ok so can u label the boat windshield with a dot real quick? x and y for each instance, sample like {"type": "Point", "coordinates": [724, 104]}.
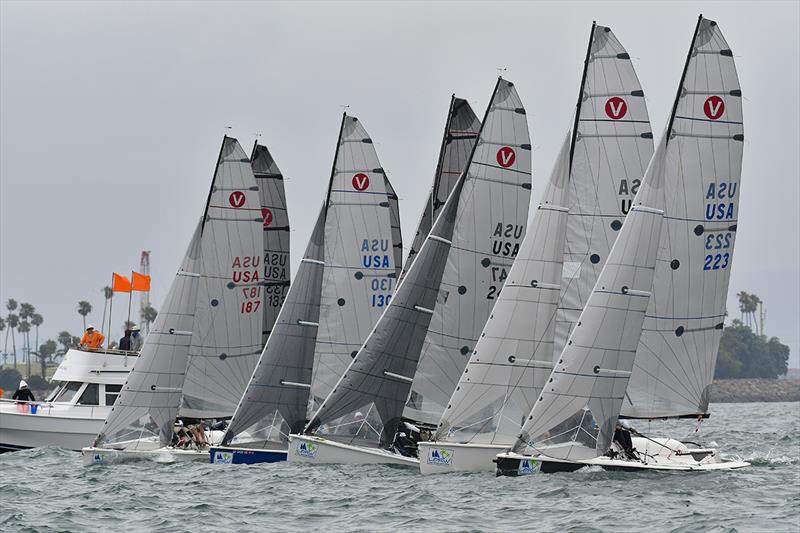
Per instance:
{"type": "Point", "coordinates": [54, 393]}
{"type": "Point", "coordinates": [68, 392]}
{"type": "Point", "coordinates": [90, 396]}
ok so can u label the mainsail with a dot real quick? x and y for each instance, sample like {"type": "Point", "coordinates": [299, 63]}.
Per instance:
{"type": "Point", "coordinates": [613, 143]}
{"type": "Point", "coordinates": [576, 412]}
{"type": "Point", "coordinates": [276, 234]}
{"type": "Point", "coordinates": [360, 269]}
{"type": "Point", "coordinates": [704, 142]}
{"type": "Point", "coordinates": [460, 134]}
{"type": "Point", "coordinates": [226, 336]}
{"type": "Point", "coordinates": [145, 410]}
{"type": "Point", "coordinates": [515, 353]}
{"type": "Point", "coordinates": [490, 224]}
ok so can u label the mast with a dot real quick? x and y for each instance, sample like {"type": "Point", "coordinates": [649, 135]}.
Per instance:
{"type": "Point", "coordinates": [213, 183]}
{"type": "Point", "coordinates": [580, 97]}
{"type": "Point", "coordinates": [683, 78]}
{"type": "Point", "coordinates": [333, 166]}
{"type": "Point", "coordinates": [437, 174]}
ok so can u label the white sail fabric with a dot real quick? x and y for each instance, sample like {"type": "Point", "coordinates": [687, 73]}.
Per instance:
{"type": "Point", "coordinates": [226, 337]}
{"type": "Point", "coordinates": [460, 134]}
{"type": "Point", "coordinates": [144, 412]}
{"type": "Point", "coordinates": [678, 348]}
{"type": "Point", "coordinates": [575, 415]}
{"type": "Point", "coordinates": [376, 384]}
{"type": "Point", "coordinates": [490, 224]}
{"type": "Point", "coordinates": [360, 270]}
{"type": "Point", "coordinates": [613, 145]}
{"type": "Point", "coordinates": [276, 399]}
{"type": "Point", "coordinates": [276, 234]}
{"type": "Point", "coordinates": [514, 355]}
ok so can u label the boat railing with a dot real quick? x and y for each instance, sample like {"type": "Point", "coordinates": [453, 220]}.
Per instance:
{"type": "Point", "coordinates": [44, 407]}
{"type": "Point", "coordinates": [110, 351]}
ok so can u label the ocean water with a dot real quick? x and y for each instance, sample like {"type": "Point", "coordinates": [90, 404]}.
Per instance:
{"type": "Point", "coordinates": [50, 490]}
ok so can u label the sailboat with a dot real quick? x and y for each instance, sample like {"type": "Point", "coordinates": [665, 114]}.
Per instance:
{"type": "Point", "coordinates": [208, 331]}
{"type": "Point", "coordinates": [345, 279]}
{"type": "Point", "coordinates": [574, 421]}
{"type": "Point", "coordinates": [601, 159]}
{"type": "Point", "coordinates": [438, 307]}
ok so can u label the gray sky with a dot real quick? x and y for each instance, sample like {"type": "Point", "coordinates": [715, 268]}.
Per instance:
{"type": "Point", "coordinates": [112, 113]}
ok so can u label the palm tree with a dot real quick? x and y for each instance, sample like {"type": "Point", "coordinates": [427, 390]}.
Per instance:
{"type": "Point", "coordinates": [149, 316]}
{"type": "Point", "coordinates": [108, 292]}
{"type": "Point", "coordinates": [67, 341]}
{"type": "Point", "coordinates": [37, 320]}
{"type": "Point", "coordinates": [45, 354]}
{"type": "Point", "coordinates": [11, 304]}
{"type": "Point", "coordinates": [13, 322]}
{"type": "Point", "coordinates": [2, 327]}
{"type": "Point", "coordinates": [26, 311]}
{"type": "Point", "coordinates": [24, 327]}
{"type": "Point", "coordinates": [84, 308]}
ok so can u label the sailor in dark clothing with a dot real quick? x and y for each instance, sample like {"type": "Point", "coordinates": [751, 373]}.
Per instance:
{"type": "Point", "coordinates": [622, 436]}
{"type": "Point", "coordinates": [23, 394]}
{"type": "Point", "coordinates": [125, 342]}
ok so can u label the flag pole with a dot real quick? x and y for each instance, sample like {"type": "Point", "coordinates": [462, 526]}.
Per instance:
{"type": "Point", "coordinates": [110, 310]}
{"type": "Point", "coordinates": [130, 298]}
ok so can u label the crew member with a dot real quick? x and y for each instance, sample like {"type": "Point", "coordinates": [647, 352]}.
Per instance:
{"type": "Point", "coordinates": [125, 342]}
{"type": "Point", "coordinates": [622, 436]}
{"type": "Point", "coordinates": [92, 339]}
{"type": "Point", "coordinates": [136, 339]}
{"type": "Point", "coordinates": [23, 393]}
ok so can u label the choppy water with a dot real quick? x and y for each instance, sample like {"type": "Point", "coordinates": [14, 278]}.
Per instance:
{"type": "Point", "coordinates": [50, 490]}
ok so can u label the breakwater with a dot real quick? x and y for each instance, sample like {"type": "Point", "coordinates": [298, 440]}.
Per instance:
{"type": "Point", "coordinates": [755, 390]}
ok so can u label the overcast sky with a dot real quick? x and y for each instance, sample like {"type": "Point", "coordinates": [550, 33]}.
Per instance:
{"type": "Point", "coordinates": [112, 113]}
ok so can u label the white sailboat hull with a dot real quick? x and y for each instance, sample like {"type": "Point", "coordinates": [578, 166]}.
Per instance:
{"type": "Point", "coordinates": [316, 450]}
{"type": "Point", "coordinates": [655, 454]}
{"type": "Point", "coordinates": [443, 457]}
{"type": "Point", "coordinates": [96, 456]}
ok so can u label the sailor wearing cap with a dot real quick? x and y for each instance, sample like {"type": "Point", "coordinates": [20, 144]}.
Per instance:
{"type": "Point", "coordinates": [136, 339]}
{"type": "Point", "coordinates": [92, 339]}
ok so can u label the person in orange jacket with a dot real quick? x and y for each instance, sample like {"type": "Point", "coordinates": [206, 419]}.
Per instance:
{"type": "Point", "coordinates": [92, 339]}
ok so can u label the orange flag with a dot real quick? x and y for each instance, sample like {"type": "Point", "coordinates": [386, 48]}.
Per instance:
{"type": "Point", "coordinates": [140, 282]}
{"type": "Point", "coordinates": [121, 283]}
